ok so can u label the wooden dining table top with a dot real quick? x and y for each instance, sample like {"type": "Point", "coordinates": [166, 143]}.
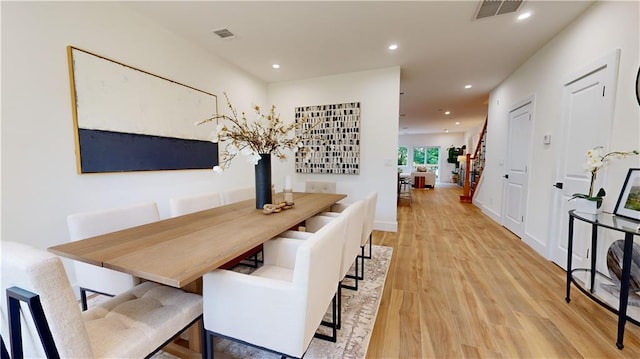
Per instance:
{"type": "Point", "coordinates": [179, 250]}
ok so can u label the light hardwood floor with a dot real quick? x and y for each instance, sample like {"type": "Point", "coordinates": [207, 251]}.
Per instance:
{"type": "Point", "coordinates": [462, 286]}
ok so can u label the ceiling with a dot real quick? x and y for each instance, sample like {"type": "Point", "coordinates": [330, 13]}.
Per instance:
{"type": "Point", "coordinates": [441, 46]}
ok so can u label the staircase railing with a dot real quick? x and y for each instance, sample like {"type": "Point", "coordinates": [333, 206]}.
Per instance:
{"type": "Point", "coordinates": [473, 167]}
{"type": "Point", "coordinates": [478, 159]}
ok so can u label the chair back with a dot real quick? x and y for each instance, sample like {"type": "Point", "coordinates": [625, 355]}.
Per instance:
{"type": "Point", "coordinates": [90, 224]}
{"type": "Point", "coordinates": [371, 200]}
{"type": "Point", "coordinates": [317, 269]}
{"type": "Point", "coordinates": [354, 216]}
{"type": "Point", "coordinates": [42, 273]}
{"type": "Point", "coordinates": [320, 187]}
{"type": "Point", "coordinates": [238, 194]}
{"type": "Point", "coordinates": [196, 203]}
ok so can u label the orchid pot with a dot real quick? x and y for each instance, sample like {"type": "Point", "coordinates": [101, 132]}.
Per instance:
{"type": "Point", "coordinates": [588, 206]}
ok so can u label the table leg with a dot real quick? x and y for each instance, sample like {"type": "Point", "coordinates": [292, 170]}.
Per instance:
{"type": "Point", "coordinates": [195, 332]}
{"type": "Point", "coordinates": [569, 256]}
{"type": "Point", "coordinates": [624, 287]}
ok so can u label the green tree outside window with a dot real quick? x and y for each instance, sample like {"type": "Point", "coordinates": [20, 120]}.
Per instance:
{"type": "Point", "coordinates": [419, 155]}
{"type": "Point", "coordinates": [433, 154]}
{"type": "Point", "coordinates": [403, 155]}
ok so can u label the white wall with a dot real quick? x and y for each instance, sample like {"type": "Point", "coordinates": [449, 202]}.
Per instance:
{"type": "Point", "coordinates": [604, 27]}
{"type": "Point", "coordinates": [442, 140]}
{"type": "Point", "coordinates": [378, 94]}
{"type": "Point", "coordinates": [40, 186]}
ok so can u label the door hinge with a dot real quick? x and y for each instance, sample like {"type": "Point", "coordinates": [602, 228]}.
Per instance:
{"type": "Point", "coordinates": [522, 219]}
{"type": "Point", "coordinates": [587, 253]}
{"type": "Point", "coordinates": [603, 89]}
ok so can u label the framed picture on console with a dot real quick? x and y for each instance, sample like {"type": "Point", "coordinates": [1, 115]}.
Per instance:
{"type": "Point", "coordinates": [638, 86]}
{"type": "Point", "coordinates": [628, 204]}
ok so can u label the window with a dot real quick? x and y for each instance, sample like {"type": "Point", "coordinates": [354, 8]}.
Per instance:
{"type": "Point", "coordinates": [403, 155]}
{"type": "Point", "coordinates": [428, 157]}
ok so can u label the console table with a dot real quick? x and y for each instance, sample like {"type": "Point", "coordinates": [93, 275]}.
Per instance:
{"type": "Point", "coordinates": [611, 222]}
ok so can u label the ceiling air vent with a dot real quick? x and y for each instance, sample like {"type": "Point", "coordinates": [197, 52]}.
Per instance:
{"type": "Point", "coordinates": [490, 8]}
{"type": "Point", "coordinates": [224, 33]}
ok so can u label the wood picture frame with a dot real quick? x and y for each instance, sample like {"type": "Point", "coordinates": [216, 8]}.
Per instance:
{"type": "Point", "coordinates": [128, 119]}
{"type": "Point", "coordinates": [638, 86]}
{"type": "Point", "coordinates": [628, 204]}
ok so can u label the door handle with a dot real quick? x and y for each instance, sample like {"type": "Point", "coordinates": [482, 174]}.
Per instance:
{"type": "Point", "coordinates": [506, 176]}
{"type": "Point", "coordinates": [558, 185]}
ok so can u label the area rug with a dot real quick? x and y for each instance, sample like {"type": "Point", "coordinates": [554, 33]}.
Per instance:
{"type": "Point", "coordinates": [359, 310]}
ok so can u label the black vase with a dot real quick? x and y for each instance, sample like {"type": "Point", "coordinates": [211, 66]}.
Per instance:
{"type": "Point", "coordinates": [263, 181]}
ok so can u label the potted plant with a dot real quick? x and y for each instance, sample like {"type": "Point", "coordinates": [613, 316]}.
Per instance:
{"type": "Point", "coordinates": [587, 202]}
{"type": "Point", "coordinates": [454, 176]}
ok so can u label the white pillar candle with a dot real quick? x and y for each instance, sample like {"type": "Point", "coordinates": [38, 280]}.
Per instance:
{"type": "Point", "coordinates": [287, 182]}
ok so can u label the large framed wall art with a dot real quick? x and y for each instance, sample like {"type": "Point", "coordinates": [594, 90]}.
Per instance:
{"type": "Point", "coordinates": [127, 119]}
{"type": "Point", "coordinates": [333, 133]}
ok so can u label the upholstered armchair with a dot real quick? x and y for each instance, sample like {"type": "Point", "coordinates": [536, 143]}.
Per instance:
{"type": "Point", "coordinates": [133, 324]}
{"type": "Point", "coordinates": [90, 224]}
{"type": "Point", "coordinates": [320, 187]}
{"type": "Point", "coordinates": [195, 203]}
{"type": "Point", "coordinates": [354, 216]}
{"type": "Point", "coordinates": [367, 233]}
{"type": "Point", "coordinates": [238, 194]}
{"type": "Point", "coordinates": [279, 306]}
{"type": "Point", "coordinates": [370, 202]}
{"type": "Point", "coordinates": [200, 202]}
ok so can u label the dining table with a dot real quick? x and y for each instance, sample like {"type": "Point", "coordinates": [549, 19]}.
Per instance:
{"type": "Point", "coordinates": [178, 251]}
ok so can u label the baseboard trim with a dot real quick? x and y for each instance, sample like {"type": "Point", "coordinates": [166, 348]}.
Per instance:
{"type": "Point", "coordinates": [491, 214]}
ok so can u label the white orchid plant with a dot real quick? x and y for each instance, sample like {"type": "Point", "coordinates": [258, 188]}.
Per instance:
{"type": "Point", "coordinates": [266, 134]}
{"type": "Point", "coordinates": [597, 159]}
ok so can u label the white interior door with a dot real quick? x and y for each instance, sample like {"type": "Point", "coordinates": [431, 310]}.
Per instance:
{"type": "Point", "coordinates": [519, 142]}
{"type": "Point", "coordinates": [587, 105]}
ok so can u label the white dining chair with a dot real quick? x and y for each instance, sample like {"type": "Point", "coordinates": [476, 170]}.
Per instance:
{"type": "Point", "coordinates": [41, 317]}
{"type": "Point", "coordinates": [354, 216]}
{"type": "Point", "coordinates": [194, 203]}
{"type": "Point", "coordinates": [83, 225]}
{"type": "Point", "coordinates": [320, 187]}
{"type": "Point", "coordinates": [241, 194]}
{"type": "Point", "coordinates": [238, 194]}
{"type": "Point", "coordinates": [367, 234]}
{"type": "Point", "coordinates": [289, 294]}
{"type": "Point", "coordinates": [367, 229]}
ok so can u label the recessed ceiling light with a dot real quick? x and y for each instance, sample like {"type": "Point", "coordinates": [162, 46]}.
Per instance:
{"type": "Point", "coordinates": [393, 46]}
{"type": "Point", "coordinates": [445, 130]}
{"type": "Point", "coordinates": [524, 15]}
{"type": "Point", "coordinates": [275, 66]}
{"type": "Point", "coordinates": [468, 86]}
{"type": "Point", "coordinates": [447, 113]}
{"type": "Point", "coordinates": [457, 123]}
{"type": "Point", "coordinates": [405, 128]}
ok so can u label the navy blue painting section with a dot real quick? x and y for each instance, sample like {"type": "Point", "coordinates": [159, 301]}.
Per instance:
{"type": "Point", "coordinates": [106, 151]}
